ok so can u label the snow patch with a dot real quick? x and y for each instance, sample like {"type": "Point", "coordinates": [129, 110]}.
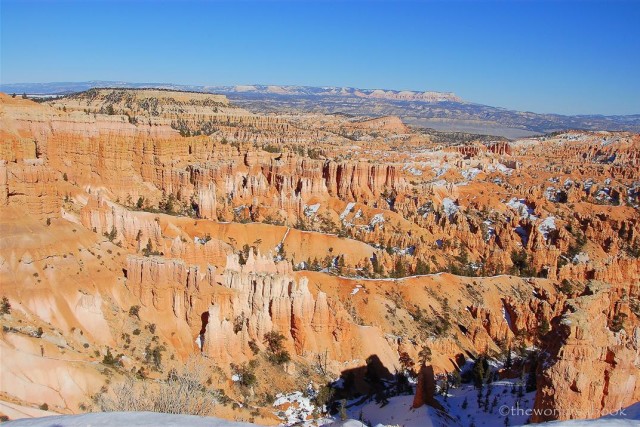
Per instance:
{"type": "Point", "coordinates": [547, 226]}
{"type": "Point", "coordinates": [470, 174]}
{"type": "Point", "coordinates": [450, 207]}
{"type": "Point", "coordinates": [311, 210]}
{"type": "Point", "coordinates": [520, 206]}
{"type": "Point", "coordinates": [441, 171]}
{"type": "Point", "coordinates": [507, 317]}
{"type": "Point", "coordinates": [581, 258]}
{"type": "Point", "coordinates": [347, 210]}
{"type": "Point", "coordinates": [298, 406]}
{"type": "Point", "coordinates": [377, 219]}
{"type": "Point", "coordinates": [490, 231]}
{"type": "Point", "coordinates": [412, 170]}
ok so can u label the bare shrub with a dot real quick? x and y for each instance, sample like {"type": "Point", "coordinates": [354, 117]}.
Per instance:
{"type": "Point", "coordinates": [183, 392]}
{"type": "Point", "coordinates": [128, 395]}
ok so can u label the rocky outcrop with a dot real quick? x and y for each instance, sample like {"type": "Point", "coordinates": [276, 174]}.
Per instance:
{"type": "Point", "coordinates": [135, 229]}
{"type": "Point", "coordinates": [589, 369]}
{"type": "Point", "coordinates": [226, 310]}
{"type": "Point", "coordinates": [426, 389]}
{"type": "Point", "coordinates": [32, 186]}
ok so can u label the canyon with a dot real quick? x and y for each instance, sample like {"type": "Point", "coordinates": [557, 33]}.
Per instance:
{"type": "Point", "coordinates": [143, 228]}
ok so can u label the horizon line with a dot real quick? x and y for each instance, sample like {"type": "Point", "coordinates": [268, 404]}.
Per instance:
{"type": "Point", "coordinates": [463, 100]}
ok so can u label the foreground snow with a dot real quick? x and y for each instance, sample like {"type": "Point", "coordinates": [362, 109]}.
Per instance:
{"type": "Point", "coordinates": [130, 419]}
{"type": "Point", "coordinates": [629, 417]}
{"type": "Point", "coordinates": [397, 412]}
{"type": "Point", "coordinates": [458, 414]}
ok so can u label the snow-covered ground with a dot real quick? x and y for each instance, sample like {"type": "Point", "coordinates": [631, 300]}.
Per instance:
{"type": "Point", "coordinates": [630, 417]}
{"type": "Point", "coordinates": [130, 419]}
{"type": "Point", "coordinates": [503, 400]}
{"type": "Point", "coordinates": [500, 403]}
{"type": "Point", "coordinates": [397, 412]}
{"type": "Point", "coordinates": [295, 407]}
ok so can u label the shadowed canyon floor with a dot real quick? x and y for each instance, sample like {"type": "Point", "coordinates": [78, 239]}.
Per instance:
{"type": "Point", "coordinates": [171, 251]}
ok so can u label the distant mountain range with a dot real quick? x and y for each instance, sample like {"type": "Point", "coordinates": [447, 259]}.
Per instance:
{"type": "Point", "coordinates": [437, 110]}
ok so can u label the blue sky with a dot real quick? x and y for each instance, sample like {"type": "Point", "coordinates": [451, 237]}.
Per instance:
{"type": "Point", "coordinates": [573, 57]}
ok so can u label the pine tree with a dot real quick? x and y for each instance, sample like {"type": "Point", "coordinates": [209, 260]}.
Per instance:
{"type": "Point", "coordinates": [544, 327]}
{"type": "Point", "coordinates": [479, 371]}
{"type": "Point", "coordinates": [425, 355]}
{"type": "Point", "coordinates": [531, 384]}
{"type": "Point", "coordinates": [421, 268]}
{"type": "Point", "coordinates": [399, 270]}
{"type": "Point", "coordinates": [465, 403]}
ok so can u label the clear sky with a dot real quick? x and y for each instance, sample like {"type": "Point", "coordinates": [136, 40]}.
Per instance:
{"type": "Point", "coordinates": [570, 57]}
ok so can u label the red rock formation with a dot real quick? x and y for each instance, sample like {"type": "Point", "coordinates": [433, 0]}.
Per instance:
{"type": "Point", "coordinates": [426, 389]}
{"type": "Point", "coordinates": [589, 370]}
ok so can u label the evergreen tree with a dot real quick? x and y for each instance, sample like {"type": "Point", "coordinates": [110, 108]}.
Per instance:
{"type": "Point", "coordinates": [425, 355]}
{"type": "Point", "coordinates": [421, 268]}
{"type": "Point", "coordinates": [480, 368]}
{"type": "Point", "coordinates": [531, 384]}
{"type": "Point", "coordinates": [399, 269]}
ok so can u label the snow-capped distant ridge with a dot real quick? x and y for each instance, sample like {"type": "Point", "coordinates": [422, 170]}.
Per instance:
{"type": "Point", "coordinates": [284, 90]}
{"type": "Point", "coordinates": [399, 95]}
{"type": "Point", "coordinates": [431, 109]}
